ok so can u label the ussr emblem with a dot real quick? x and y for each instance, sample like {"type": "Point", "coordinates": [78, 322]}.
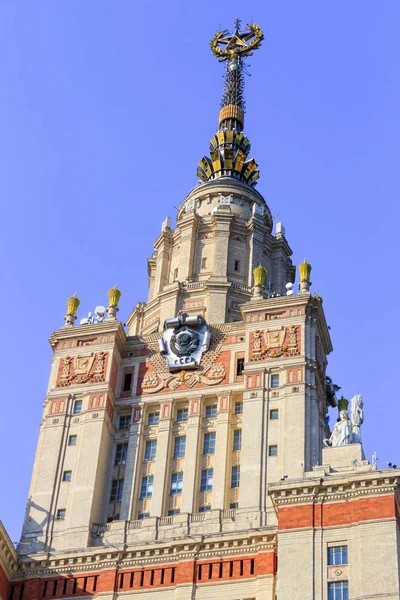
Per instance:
{"type": "Point", "coordinates": [184, 340]}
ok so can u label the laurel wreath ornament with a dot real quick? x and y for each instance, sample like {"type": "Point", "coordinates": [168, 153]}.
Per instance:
{"type": "Point", "coordinates": [247, 49]}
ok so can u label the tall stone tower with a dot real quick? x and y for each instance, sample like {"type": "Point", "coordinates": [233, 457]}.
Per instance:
{"type": "Point", "coordinates": [182, 455]}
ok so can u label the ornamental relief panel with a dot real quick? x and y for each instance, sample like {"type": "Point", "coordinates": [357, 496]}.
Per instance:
{"type": "Point", "coordinates": [89, 368]}
{"type": "Point", "coordinates": [275, 343]}
{"type": "Point", "coordinates": [155, 376]}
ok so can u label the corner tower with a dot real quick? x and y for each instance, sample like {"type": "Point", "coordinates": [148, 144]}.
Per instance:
{"type": "Point", "coordinates": [224, 226]}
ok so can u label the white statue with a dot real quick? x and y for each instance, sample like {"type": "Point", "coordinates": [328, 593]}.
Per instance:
{"type": "Point", "coordinates": [357, 418]}
{"type": "Point", "coordinates": [341, 434]}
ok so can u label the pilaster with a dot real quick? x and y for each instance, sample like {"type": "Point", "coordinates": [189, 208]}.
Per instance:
{"type": "Point", "coordinates": [221, 474]}
{"type": "Point", "coordinates": [162, 472]}
{"type": "Point", "coordinates": [190, 483]}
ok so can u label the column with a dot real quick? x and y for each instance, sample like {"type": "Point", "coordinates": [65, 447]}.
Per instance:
{"type": "Point", "coordinates": [188, 227]}
{"type": "Point", "coordinates": [131, 468]}
{"type": "Point", "coordinates": [190, 481]}
{"type": "Point", "coordinates": [163, 246]}
{"type": "Point", "coordinates": [162, 470]}
{"type": "Point", "coordinates": [221, 477]}
{"type": "Point", "coordinates": [222, 222]}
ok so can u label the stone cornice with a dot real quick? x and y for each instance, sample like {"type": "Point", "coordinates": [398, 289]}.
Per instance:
{"type": "Point", "coordinates": [335, 487]}
{"type": "Point", "coordinates": [148, 554]}
{"type": "Point", "coordinates": [82, 331]}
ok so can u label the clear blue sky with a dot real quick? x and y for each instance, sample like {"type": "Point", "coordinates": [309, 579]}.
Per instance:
{"type": "Point", "coordinates": [105, 109]}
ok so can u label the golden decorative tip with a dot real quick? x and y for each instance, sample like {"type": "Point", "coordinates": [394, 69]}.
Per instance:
{"type": "Point", "coordinates": [318, 297]}
{"type": "Point", "coordinates": [260, 275]}
{"type": "Point", "coordinates": [305, 271]}
{"type": "Point", "coordinates": [73, 303]}
{"type": "Point", "coordinates": [343, 403]}
{"type": "Point", "coordinates": [113, 296]}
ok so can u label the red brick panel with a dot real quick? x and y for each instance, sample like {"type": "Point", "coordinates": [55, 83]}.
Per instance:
{"type": "Point", "coordinates": [337, 513]}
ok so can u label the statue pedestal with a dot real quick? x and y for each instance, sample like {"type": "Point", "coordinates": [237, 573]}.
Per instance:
{"type": "Point", "coordinates": [342, 456]}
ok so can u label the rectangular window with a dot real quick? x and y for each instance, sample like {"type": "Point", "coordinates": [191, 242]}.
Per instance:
{"type": "Point", "coordinates": [239, 366]}
{"type": "Point", "coordinates": [234, 505]}
{"type": "Point", "coordinates": [237, 265]}
{"type": "Point", "coordinates": [127, 382]}
{"type": "Point", "coordinates": [124, 422]}
{"type": "Point", "coordinates": [146, 491]}
{"type": "Point", "coordinates": [274, 414]}
{"type": "Point", "coordinates": [72, 440]}
{"type": "Point", "coordinates": [153, 418]}
{"type": "Point", "coordinates": [117, 488]}
{"type": "Point", "coordinates": [237, 439]}
{"type": "Point", "coordinates": [176, 273]}
{"type": "Point", "coordinates": [337, 555]}
{"type": "Point", "coordinates": [182, 415]}
{"type": "Point", "coordinates": [61, 514]}
{"type": "Point", "coordinates": [235, 479]}
{"type": "Point", "coordinates": [273, 450]}
{"type": "Point", "coordinates": [174, 511]}
{"type": "Point", "coordinates": [204, 508]}
{"type": "Point", "coordinates": [338, 590]}
{"type": "Point", "coordinates": [206, 480]}
{"type": "Point", "coordinates": [150, 451]}
{"type": "Point", "coordinates": [180, 446]}
{"type": "Point", "coordinates": [204, 262]}
{"type": "Point", "coordinates": [142, 516]}
{"type": "Point", "coordinates": [274, 381]}
{"type": "Point", "coordinates": [120, 454]}
{"type": "Point", "coordinates": [211, 411]}
{"type": "Point", "coordinates": [77, 407]}
{"type": "Point", "coordinates": [176, 483]}
{"type": "Point", "coordinates": [209, 443]}
{"type": "Point", "coordinates": [67, 475]}
{"type": "Point", "coordinates": [238, 408]}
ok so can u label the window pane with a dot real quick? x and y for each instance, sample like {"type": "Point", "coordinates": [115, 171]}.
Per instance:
{"type": "Point", "coordinates": [77, 407]}
{"type": "Point", "coordinates": [237, 439]}
{"type": "Point", "coordinates": [239, 366]}
{"type": "Point", "coordinates": [274, 414]}
{"type": "Point", "coordinates": [235, 480]}
{"type": "Point", "coordinates": [72, 440]}
{"type": "Point", "coordinates": [182, 415]}
{"type": "Point", "coordinates": [211, 411]}
{"type": "Point", "coordinates": [180, 446]}
{"type": "Point", "coordinates": [337, 555]}
{"type": "Point", "coordinates": [338, 590]}
{"type": "Point", "coordinates": [153, 418]}
{"type": "Point", "coordinates": [234, 505]}
{"type": "Point", "coordinates": [150, 450]}
{"type": "Point", "coordinates": [206, 480]}
{"type": "Point", "coordinates": [142, 516]}
{"type": "Point", "coordinates": [209, 443]}
{"type": "Point", "coordinates": [274, 381]}
{"type": "Point", "coordinates": [273, 451]}
{"type": "Point", "coordinates": [204, 508]}
{"type": "Point", "coordinates": [67, 476]}
{"type": "Point", "coordinates": [124, 422]}
{"type": "Point", "coordinates": [174, 511]}
{"type": "Point", "coordinates": [146, 490]}
{"type": "Point", "coordinates": [120, 454]}
{"type": "Point", "coordinates": [176, 483]}
{"type": "Point", "coordinates": [238, 408]}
